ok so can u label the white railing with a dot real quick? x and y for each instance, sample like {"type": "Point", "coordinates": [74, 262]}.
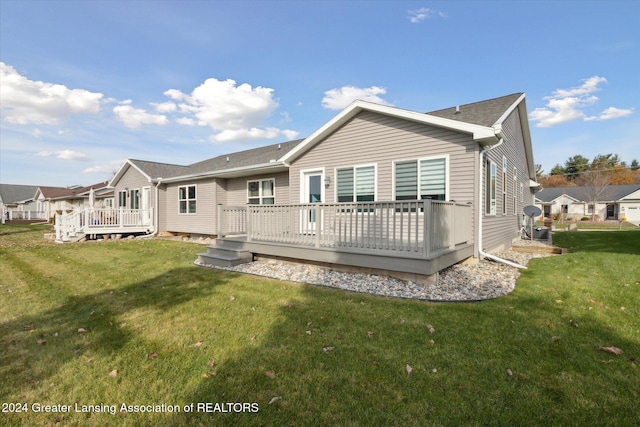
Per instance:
{"type": "Point", "coordinates": [25, 215]}
{"type": "Point", "coordinates": [101, 221]}
{"type": "Point", "coordinates": [419, 228]}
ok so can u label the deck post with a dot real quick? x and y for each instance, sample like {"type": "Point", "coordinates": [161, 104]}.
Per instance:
{"type": "Point", "coordinates": [427, 235]}
{"type": "Point", "coordinates": [452, 226]}
{"type": "Point", "coordinates": [58, 226]}
{"type": "Point", "coordinates": [219, 231]}
{"type": "Point", "coordinates": [318, 226]}
{"type": "Point", "coordinates": [248, 215]}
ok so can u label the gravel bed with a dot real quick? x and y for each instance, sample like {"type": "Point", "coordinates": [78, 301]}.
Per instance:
{"type": "Point", "coordinates": [461, 282]}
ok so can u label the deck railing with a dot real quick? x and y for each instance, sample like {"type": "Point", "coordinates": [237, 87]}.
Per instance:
{"type": "Point", "coordinates": [100, 221]}
{"type": "Point", "coordinates": [25, 215]}
{"type": "Point", "coordinates": [420, 228]}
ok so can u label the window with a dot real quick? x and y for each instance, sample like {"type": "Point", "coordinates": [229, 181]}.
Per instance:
{"type": "Point", "coordinates": [515, 190]}
{"type": "Point", "coordinates": [421, 179]}
{"type": "Point", "coordinates": [357, 182]}
{"type": "Point", "coordinates": [135, 198]}
{"type": "Point", "coordinates": [490, 188]}
{"type": "Point", "coordinates": [187, 199]}
{"type": "Point", "coordinates": [261, 192]}
{"type": "Point", "coordinates": [504, 185]}
{"type": "Point", "coordinates": [590, 208]}
{"type": "Point", "coordinates": [521, 193]}
{"type": "Point", "coordinates": [122, 199]}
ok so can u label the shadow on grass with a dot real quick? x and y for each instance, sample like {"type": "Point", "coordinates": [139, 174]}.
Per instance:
{"type": "Point", "coordinates": [524, 359]}
{"type": "Point", "coordinates": [495, 362]}
{"type": "Point", "coordinates": [25, 361]}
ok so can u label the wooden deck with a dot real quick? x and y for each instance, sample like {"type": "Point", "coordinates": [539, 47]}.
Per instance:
{"type": "Point", "coordinates": [420, 237]}
{"type": "Point", "coordinates": [103, 221]}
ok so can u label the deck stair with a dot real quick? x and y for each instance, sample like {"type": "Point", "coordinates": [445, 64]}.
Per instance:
{"type": "Point", "coordinates": [226, 253]}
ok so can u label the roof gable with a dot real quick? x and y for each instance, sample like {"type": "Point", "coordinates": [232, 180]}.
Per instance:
{"type": "Point", "coordinates": [10, 193]}
{"type": "Point", "coordinates": [485, 135]}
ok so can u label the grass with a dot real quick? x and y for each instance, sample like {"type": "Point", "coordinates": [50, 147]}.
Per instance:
{"type": "Point", "coordinates": [181, 335]}
{"type": "Point", "coordinates": [594, 226]}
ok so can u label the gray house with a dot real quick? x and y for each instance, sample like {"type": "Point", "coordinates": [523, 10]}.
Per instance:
{"type": "Point", "coordinates": [17, 203]}
{"type": "Point", "coordinates": [612, 202]}
{"type": "Point", "coordinates": [376, 186]}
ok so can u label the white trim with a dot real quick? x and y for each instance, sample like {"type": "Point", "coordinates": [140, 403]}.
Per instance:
{"type": "Point", "coordinates": [122, 171]}
{"type": "Point", "coordinates": [509, 110]}
{"type": "Point", "coordinates": [493, 208]}
{"type": "Point", "coordinates": [261, 196]}
{"type": "Point", "coordinates": [187, 199]}
{"type": "Point", "coordinates": [303, 183]}
{"type": "Point", "coordinates": [354, 167]}
{"type": "Point", "coordinates": [419, 159]}
{"type": "Point", "coordinates": [481, 134]}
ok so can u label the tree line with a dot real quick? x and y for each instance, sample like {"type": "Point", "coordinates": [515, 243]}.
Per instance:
{"type": "Point", "coordinates": [602, 170]}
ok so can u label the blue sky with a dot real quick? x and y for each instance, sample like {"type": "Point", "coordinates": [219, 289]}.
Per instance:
{"type": "Point", "coordinates": [86, 85]}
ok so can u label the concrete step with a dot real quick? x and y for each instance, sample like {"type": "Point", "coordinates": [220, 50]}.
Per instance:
{"type": "Point", "coordinates": [230, 242]}
{"type": "Point", "coordinates": [225, 254]}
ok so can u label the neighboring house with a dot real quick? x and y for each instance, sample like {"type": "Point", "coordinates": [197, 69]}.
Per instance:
{"type": "Point", "coordinates": [16, 203]}
{"type": "Point", "coordinates": [63, 199]}
{"type": "Point", "coordinates": [573, 203]}
{"type": "Point", "coordinates": [376, 186]}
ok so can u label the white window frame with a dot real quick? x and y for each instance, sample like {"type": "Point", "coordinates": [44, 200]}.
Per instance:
{"type": "Point", "coordinates": [134, 195]}
{"type": "Point", "coordinates": [355, 182]}
{"type": "Point", "coordinates": [515, 189]}
{"type": "Point", "coordinates": [447, 174]}
{"type": "Point", "coordinates": [490, 189]}
{"type": "Point", "coordinates": [122, 199]}
{"type": "Point", "coordinates": [521, 193]}
{"type": "Point", "coordinates": [261, 196]}
{"type": "Point", "coordinates": [504, 185]}
{"type": "Point", "coordinates": [187, 200]}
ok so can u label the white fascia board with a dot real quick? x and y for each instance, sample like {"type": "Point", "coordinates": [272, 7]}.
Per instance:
{"type": "Point", "coordinates": [482, 134]}
{"type": "Point", "coordinates": [632, 196]}
{"type": "Point", "coordinates": [510, 110]}
{"type": "Point", "coordinates": [123, 170]}
{"type": "Point", "coordinates": [232, 173]}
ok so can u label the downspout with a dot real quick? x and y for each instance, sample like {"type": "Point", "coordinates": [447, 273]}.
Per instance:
{"type": "Point", "coordinates": [481, 212]}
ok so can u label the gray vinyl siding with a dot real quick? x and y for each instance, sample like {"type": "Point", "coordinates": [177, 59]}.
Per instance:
{"type": "Point", "coordinates": [499, 230]}
{"type": "Point", "coordinates": [372, 138]}
{"type": "Point", "coordinates": [203, 221]}
{"type": "Point", "coordinates": [131, 180]}
{"type": "Point", "coordinates": [236, 188]}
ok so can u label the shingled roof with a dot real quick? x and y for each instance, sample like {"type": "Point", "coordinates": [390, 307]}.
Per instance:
{"type": "Point", "coordinates": [612, 193]}
{"type": "Point", "coordinates": [159, 170]}
{"type": "Point", "coordinates": [10, 193]}
{"type": "Point", "coordinates": [246, 158]}
{"type": "Point", "coordinates": [483, 113]}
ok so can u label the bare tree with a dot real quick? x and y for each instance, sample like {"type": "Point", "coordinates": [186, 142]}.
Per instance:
{"type": "Point", "coordinates": [596, 183]}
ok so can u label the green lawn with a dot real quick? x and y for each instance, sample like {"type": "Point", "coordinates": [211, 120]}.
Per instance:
{"type": "Point", "coordinates": [135, 322]}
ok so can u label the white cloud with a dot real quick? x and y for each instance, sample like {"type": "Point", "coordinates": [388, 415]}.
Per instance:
{"type": "Point", "coordinates": [186, 121]}
{"type": "Point", "coordinates": [235, 112]}
{"type": "Point", "coordinates": [419, 15]}
{"type": "Point", "coordinates": [337, 99]}
{"type": "Point", "coordinates": [165, 107]}
{"type": "Point", "coordinates": [65, 155]}
{"type": "Point", "coordinates": [133, 118]}
{"type": "Point", "coordinates": [27, 101]}
{"type": "Point", "coordinates": [611, 113]}
{"type": "Point", "coordinates": [568, 104]}
{"type": "Point", "coordinates": [107, 169]}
